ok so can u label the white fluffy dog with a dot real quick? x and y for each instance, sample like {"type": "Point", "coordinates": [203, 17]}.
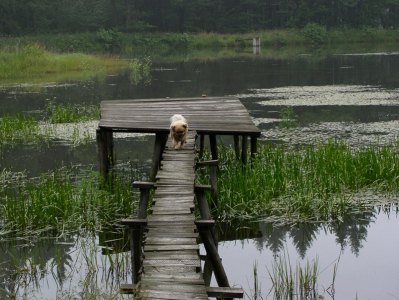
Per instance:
{"type": "Point", "coordinates": [178, 130]}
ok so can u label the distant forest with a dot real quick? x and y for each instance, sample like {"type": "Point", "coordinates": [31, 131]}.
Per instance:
{"type": "Point", "coordinates": [22, 17]}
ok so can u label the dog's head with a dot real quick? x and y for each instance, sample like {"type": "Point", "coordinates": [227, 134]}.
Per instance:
{"type": "Point", "coordinates": [179, 129]}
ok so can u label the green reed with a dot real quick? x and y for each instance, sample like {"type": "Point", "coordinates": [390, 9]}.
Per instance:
{"type": "Point", "coordinates": [313, 182]}
{"type": "Point", "coordinates": [289, 284]}
{"type": "Point", "coordinates": [18, 128]}
{"type": "Point", "coordinates": [60, 113]}
{"type": "Point", "coordinates": [63, 201]}
{"type": "Point", "coordinates": [33, 60]}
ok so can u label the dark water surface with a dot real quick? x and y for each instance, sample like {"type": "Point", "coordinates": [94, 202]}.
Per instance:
{"type": "Point", "coordinates": [364, 249]}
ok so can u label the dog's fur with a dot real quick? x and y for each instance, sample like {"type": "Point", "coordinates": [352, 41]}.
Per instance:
{"type": "Point", "coordinates": [178, 130]}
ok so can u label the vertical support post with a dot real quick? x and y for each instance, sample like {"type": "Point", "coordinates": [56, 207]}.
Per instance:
{"type": "Point", "coordinates": [136, 228]}
{"type": "Point", "coordinates": [237, 146]}
{"type": "Point", "coordinates": [105, 151]}
{"type": "Point", "coordinates": [214, 184]}
{"type": "Point", "coordinates": [204, 228]}
{"type": "Point", "coordinates": [214, 146]}
{"type": "Point", "coordinates": [135, 252]}
{"type": "Point", "coordinates": [244, 149]}
{"type": "Point", "coordinates": [159, 147]}
{"type": "Point", "coordinates": [202, 145]}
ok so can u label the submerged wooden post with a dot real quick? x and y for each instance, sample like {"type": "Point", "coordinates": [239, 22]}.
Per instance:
{"type": "Point", "coordinates": [136, 226]}
{"type": "Point", "coordinates": [105, 151]}
{"type": "Point", "coordinates": [159, 147]}
{"type": "Point", "coordinates": [213, 165]}
{"type": "Point", "coordinates": [214, 146]}
{"type": "Point", "coordinates": [204, 228]}
{"type": "Point", "coordinates": [202, 145]}
{"type": "Point", "coordinates": [237, 146]}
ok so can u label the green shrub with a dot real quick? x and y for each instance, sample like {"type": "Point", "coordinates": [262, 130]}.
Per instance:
{"type": "Point", "coordinates": [315, 33]}
{"type": "Point", "coordinates": [110, 39]}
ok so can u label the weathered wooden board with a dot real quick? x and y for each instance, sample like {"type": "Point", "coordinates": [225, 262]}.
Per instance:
{"type": "Point", "coordinates": [170, 247]}
{"type": "Point", "coordinates": [173, 255]}
{"type": "Point", "coordinates": [157, 240]}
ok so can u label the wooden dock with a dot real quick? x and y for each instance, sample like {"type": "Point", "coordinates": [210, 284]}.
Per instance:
{"type": "Point", "coordinates": [169, 267]}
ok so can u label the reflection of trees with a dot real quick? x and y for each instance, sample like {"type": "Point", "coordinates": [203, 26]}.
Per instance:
{"type": "Point", "coordinates": [303, 236]}
{"type": "Point", "coordinates": [25, 262]}
{"type": "Point", "coordinates": [352, 232]}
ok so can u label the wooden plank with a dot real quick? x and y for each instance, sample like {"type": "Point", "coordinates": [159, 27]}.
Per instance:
{"type": "Point", "coordinates": [170, 247]}
{"type": "Point", "coordinates": [225, 292]}
{"type": "Point", "coordinates": [168, 275]}
{"type": "Point", "coordinates": [173, 255]}
{"type": "Point", "coordinates": [157, 240]}
{"type": "Point", "coordinates": [157, 295]}
{"type": "Point", "coordinates": [196, 281]}
{"type": "Point", "coordinates": [175, 287]}
{"type": "Point", "coordinates": [157, 233]}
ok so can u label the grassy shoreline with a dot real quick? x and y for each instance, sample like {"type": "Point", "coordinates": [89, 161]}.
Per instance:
{"type": "Point", "coordinates": [33, 60]}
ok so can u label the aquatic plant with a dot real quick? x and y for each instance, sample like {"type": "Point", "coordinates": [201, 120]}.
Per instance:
{"type": "Point", "coordinates": [287, 284]}
{"type": "Point", "coordinates": [288, 118]}
{"type": "Point", "coordinates": [18, 128]}
{"type": "Point", "coordinates": [66, 201]}
{"type": "Point", "coordinates": [140, 70]}
{"type": "Point", "coordinates": [59, 113]}
{"type": "Point", "coordinates": [24, 129]}
{"type": "Point", "coordinates": [310, 183]}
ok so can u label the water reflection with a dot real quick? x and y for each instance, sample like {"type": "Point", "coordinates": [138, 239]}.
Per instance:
{"type": "Point", "coordinates": [47, 265]}
{"type": "Point", "coordinates": [362, 249]}
{"type": "Point", "coordinates": [50, 264]}
{"type": "Point", "coordinates": [350, 232]}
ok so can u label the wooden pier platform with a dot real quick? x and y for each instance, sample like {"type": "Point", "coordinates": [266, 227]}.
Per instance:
{"type": "Point", "coordinates": [212, 116]}
{"type": "Point", "coordinates": [170, 265]}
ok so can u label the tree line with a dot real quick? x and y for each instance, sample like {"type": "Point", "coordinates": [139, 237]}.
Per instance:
{"type": "Point", "coordinates": [20, 17]}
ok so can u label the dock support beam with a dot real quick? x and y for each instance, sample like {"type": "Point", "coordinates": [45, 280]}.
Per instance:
{"type": "Point", "coordinates": [105, 151]}
{"type": "Point", "coordinates": [136, 227]}
{"type": "Point", "coordinates": [204, 228]}
{"type": "Point", "coordinates": [159, 147]}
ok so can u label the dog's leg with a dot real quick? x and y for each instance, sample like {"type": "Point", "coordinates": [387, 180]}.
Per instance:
{"type": "Point", "coordinates": [175, 144]}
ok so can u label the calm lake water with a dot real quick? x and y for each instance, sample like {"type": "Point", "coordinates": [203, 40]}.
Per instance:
{"type": "Point", "coordinates": [363, 249]}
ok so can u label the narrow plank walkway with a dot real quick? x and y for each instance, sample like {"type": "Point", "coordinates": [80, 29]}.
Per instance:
{"type": "Point", "coordinates": [172, 267]}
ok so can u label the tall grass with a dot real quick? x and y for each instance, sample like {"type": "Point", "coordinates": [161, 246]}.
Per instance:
{"type": "Point", "coordinates": [65, 201]}
{"type": "Point", "coordinates": [298, 284]}
{"type": "Point", "coordinates": [59, 113]}
{"type": "Point", "coordinates": [17, 128]}
{"type": "Point", "coordinates": [34, 60]}
{"type": "Point", "coordinates": [314, 182]}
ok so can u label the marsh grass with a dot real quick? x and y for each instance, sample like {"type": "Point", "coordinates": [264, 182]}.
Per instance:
{"type": "Point", "coordinates": [18, 128]}
{"type": "Point", "coordinates": [140, 70]}
{"type": "Point", "coordinates": [25, 129]}
{"type": "Point", "coordinates": [310, 183]}
{"type": "Point", "coordinates": [59, 113]}
{"type": "Point", "coordinates": [289, 284]}
{"type": "Point", "coordinates": [33, 60]}
{"type": "Point", "coordinates": [65, 201]}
